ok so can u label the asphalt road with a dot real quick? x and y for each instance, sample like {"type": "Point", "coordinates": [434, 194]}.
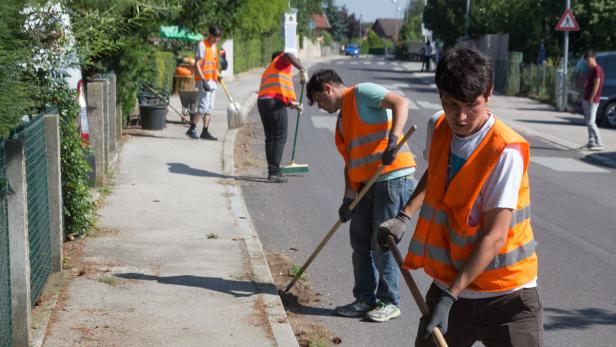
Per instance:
{"type": "Point", "coordinates": [573, 214]}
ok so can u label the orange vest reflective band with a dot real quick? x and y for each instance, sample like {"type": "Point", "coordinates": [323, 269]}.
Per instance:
{"type": "Point", "coordinates": [443, 240]}
{"type": "Point", "coordinates": [274, 81]}
{"type": "Point", "coordinates": [209, 63]}
{"type": "Point", "coordinates": [362, 144]}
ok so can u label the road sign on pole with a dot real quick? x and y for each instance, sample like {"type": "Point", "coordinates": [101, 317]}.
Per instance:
{"type": "Point", "coordinates": [567, 22]}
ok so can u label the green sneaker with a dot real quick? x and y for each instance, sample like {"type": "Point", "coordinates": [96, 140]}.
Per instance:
{"type": "Point", "coordinates": [384, 312]}
{"type": "Point", "coordinates": [354, 309]}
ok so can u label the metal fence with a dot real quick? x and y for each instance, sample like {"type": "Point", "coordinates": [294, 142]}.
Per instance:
{"type": "Point", "coordinates": [6, 321]}
{"type": "Point", "coordinates": [538, 81]}
{"type": "Point", "coordinates": [33, 135]}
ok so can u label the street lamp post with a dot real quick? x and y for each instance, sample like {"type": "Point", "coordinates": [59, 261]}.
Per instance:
{"type": "Point", "coordinates": [362, 16]}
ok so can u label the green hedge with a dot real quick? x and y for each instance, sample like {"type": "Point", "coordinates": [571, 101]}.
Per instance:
{"type": "Point", "coordinates": [165, 69]}
{"type": "Point", "coordinates": [251, 52]}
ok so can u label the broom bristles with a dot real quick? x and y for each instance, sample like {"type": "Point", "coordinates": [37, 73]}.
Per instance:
{"type": "Point", "coordinates": [294, 168]}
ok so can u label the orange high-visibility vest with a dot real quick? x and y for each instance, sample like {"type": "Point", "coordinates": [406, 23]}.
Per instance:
{"type": "Point", "coordinates": [362, 144]}
{"type": "Point", "coordinates": [208, 63]}
{"type": "Point", "coordinates": [443, 239]}
{"type": "Point", "coordinates": [274, 81]}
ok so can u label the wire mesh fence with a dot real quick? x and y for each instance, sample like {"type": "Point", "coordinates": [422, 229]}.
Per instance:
{"type": "Point", "coordinates": [33, 135]}
{"type": "Point", "coordinates": [6, 321]}
{"type": "Point", "coordinates": [539, 81]}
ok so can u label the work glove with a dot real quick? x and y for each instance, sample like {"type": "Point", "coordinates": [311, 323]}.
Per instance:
{"type": "Point", "coordinates": [389, 155]}
{"type": "Point", "coordinates": [343, 211]}
{"type": "Point", "coordinates": [440, 314]}
{"type": "Point", "coordinates": [303, 76]}
{"type": "Point", "coordinates": [298, 107]}
{"type": "Point", "coordinates": [219, 78]}
{"type": "Point", "coordinates": [394, 227]}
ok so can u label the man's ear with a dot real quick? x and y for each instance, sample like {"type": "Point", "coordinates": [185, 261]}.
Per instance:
{"type": "Point", "coordinates": [488, 95]}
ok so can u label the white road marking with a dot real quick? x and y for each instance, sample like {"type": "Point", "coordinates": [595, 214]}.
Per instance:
{"type": "Point", "coordinates": [324, 122]}
{"type": "Point", "coordinates": [402, 85]}
{"type": "Point", "coordinates": [367, 63]}
{"type": "Point", "coordinates": [353, 63]}
{"type": "Point", "coordinates": [429, 105]}
{"type": "Point", "coordinates": [380, 63]}
{"type": "Point", "coordinates": [398, 68]}
{"type": "Point", "coordinates": [568, 165]}
{"type": "Point", "coordinates": [339, 62]}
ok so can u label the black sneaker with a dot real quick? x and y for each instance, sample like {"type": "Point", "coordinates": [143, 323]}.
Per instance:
{"type": "Point", "coordinates": [276, 178]}
{"type": "Point", "coordinates": [192, 133]}
{"type": "Point", "coordinates": [354, 309]}
{"type": "Point", "coordinates": [205, 135]}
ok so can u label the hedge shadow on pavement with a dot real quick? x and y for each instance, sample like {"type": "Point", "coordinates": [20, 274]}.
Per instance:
{"type": "Point", "coordinates": [238, 289]}
{"type": "Point", "coordinates": [584, 318]}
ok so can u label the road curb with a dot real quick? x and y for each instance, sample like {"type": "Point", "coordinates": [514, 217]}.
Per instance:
{"type": "Point", "coordinates": [276, 314]}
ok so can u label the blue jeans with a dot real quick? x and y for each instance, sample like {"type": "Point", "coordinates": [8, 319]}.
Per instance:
{"type": "Point", "coordinates": [376, 272]}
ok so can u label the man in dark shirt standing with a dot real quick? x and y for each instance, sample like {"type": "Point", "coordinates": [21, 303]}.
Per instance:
{"type": "Point", "coordinates": [590, 103]}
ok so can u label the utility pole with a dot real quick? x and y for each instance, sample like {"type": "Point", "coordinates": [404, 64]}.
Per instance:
{"type": "Point", "coordinates": [468, 12]}
{"type": "Point", "coordinates": [563, 102]}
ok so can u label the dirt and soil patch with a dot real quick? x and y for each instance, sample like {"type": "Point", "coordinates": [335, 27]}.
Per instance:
{"type": "Point", "coordinates": [250, 163]}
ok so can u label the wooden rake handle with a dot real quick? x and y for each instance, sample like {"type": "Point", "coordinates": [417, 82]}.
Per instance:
{"type": "Point", "coordinates": [419, 300]}
{"type": "Point", "coordinates": [358, 197]}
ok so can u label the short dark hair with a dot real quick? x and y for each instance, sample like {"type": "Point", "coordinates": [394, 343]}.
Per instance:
{"type": "Point", "coordinates": [590, 54]}
{"type": "Point", "coordinates": [214, 31]}
{"type": "Point", "coordinates": [464, 74]}
{"type": "Point", "coordinates": [275, 54]}
{"type": "Point", "coordinates": [318, 79]}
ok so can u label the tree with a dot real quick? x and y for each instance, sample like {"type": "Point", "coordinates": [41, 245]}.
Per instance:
{"type": "Point", "coordinates": [528, 22]}
{"type": "Point", "coordinates": [337, 21]}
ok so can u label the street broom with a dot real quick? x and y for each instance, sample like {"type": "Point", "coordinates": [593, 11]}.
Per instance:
{"type": "Point", "coordinates": [358, 197]}
{"type": "Point", "coordinates": [419, 300]}
{"type": "Point", "coordinates": [294, 167]}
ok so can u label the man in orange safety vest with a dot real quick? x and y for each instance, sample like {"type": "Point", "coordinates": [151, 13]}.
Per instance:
{"type": "Point", "coordinates": [473, 233]}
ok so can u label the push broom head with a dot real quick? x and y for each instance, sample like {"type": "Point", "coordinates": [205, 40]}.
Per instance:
{"type": "Point", "coordinates": [293, 167]}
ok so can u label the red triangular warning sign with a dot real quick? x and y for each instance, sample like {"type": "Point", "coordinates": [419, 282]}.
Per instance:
{"type": "Point", "coordinates": [567, 22]}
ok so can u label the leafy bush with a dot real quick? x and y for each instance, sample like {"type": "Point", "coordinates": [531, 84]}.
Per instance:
{"type": "Point", "coordinates": [251, 52]}
{"type": "Point", "coordinates": [78, 208]}
{"type": "Point", "coordinates": [165, 69]}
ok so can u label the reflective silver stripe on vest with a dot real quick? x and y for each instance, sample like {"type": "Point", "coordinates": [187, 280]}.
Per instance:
{"type": "Point", "coordinates": [276, 84]}
{"type": "Point", "coordinates": [500, 261]}
{"type": "Point", "coordinates": [367, 139]}
{"type": "Point", "coordinates": [514, 256]}
{"type": "Point", "coordinates": [282, 77]}
{"type": "Point", "coordinates": [372, 158]}
{"type": "Point", "coordinates": [440, 217]}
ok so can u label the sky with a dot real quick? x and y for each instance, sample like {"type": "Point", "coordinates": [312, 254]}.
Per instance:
{"type": "Point", "coordinates": [374, 8]}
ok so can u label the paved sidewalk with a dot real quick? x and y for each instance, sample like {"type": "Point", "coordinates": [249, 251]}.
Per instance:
{"type": "Point", "coordinates": [563, 129]}
{"type": "Point", "coordinates": [180, 263]}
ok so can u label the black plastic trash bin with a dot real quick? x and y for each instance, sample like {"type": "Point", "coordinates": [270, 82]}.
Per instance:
{"type": "Point", "coordinates": [153, 117]}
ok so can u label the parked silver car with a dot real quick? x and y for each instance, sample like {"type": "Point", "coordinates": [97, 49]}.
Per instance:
{"type": "Point", "coordinates": [606, 114]}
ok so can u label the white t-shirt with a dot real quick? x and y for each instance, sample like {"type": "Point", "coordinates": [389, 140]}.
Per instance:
{"type": "Point", "coordinates": [499, 191]}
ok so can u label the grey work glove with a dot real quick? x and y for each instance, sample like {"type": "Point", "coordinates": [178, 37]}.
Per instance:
{"type": "Point", "coordinates": [389, 155]}
{"type": "Point", "coordinates": [440, 314]}
{"type": "Point", "coordinates": [343, 211]}
{"type": "Point", "coordinates": [303, 76]}
{"type": "Point", "coordinates": [394, 227]}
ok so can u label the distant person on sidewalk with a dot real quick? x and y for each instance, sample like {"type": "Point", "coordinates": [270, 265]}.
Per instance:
{"type": "Point", "coordinates": [427, 55]}
{"type": "Point", "coordinates": [275, 95]}
{"type": "Point", "coordinates": [592, 93]}
{"type": "Point", "coordinates": [473, 233]}
{"type": "Point", "coordinates": [206, 77]}
{"type": "Point", "coordinates": [370, 124]}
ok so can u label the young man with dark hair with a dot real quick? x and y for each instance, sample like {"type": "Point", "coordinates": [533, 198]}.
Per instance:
{"type": "Point", "coordinates": [473, 234]}
{"type": "Point", "coordinates": [276, 93]}
{"type": "Point", "coordinates": [593, 87]}
{"type": "Point", "coordinates": [370, 124]}
{"type": "Point", "coordinates": [206, 76]}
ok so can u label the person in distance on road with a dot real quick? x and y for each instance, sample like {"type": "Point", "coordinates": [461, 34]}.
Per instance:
{"type": "Point", "coordinates": [473, 234]}
{"type": "Point", "coordinates": [369, 126]}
